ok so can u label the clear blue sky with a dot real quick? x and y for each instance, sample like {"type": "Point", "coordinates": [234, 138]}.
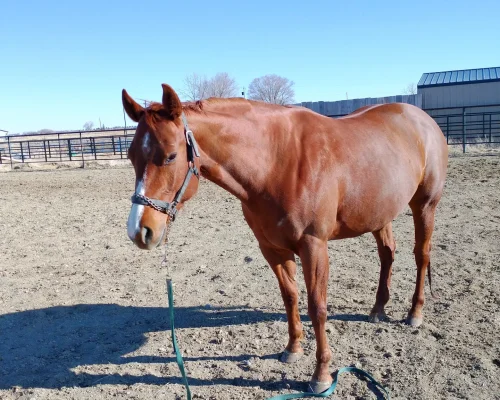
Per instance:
{"type": "Point", "coordinates": [63, 63]}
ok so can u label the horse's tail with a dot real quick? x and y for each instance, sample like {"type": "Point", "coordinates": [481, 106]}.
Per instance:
{"type": "Point", "coordinates": [429, 275]}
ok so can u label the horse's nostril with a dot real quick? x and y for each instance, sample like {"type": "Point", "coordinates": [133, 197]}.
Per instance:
{"type": "Point", "coordinates": [146, 235]}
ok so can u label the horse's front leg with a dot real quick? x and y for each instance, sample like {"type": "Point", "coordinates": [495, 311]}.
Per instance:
{"type": "Point", "coordinates": [283, 265]}
{"type": "Point", "coordinates": [314, 255]}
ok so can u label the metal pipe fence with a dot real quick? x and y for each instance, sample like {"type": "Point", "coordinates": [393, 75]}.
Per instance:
{"type": "Point", "coordinates": [467, 128]}
{"type": "Point", "coordinates": [470, 128]}
{"type": "Point", "coordinates": [72, 146]}
{"type": "Point", "coordinates": [460, 129]}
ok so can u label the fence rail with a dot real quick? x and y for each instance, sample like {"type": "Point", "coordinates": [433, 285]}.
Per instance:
{"type": "Point", "coordinates": [468, 128]}
{"type": "Point", "coordinates": [81, 146]}
{"type": "Point", "coordinates": [64, 147]}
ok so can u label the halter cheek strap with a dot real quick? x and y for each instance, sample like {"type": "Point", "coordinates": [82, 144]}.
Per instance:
{"type": "Point", "coordinates": [171, 208]}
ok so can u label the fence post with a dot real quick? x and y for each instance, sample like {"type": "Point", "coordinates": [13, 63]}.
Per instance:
{"type": "Point", "coordinates": [81, 149]}
{"type": "Point", "coordinates": [59, 145]}
{"type": "Point", "coordinates": [113, 143]}
{"type": "Point", "coordinates": [490, 129]}
{"type": "Point", "coordinates": [45, 150]}
{"type": "Point", "coordinates": [0, 156]}
{"type": "Point", "coordinates": [95, 149]}
{"type": "Point", "coordinates": [22, 152]}
{"type": "Point", "coordinates": [10, 152]}
{"type": "Point", "coordinates": [29, 150]}
{"type": "Point", "coordinates": [447, 129]}
{"type": "Point", "coordinates": [69, 149]}
{"type": "Point", "coordinates": [484, 132]}
{"type": "Point", "coordinates": [464, 129]}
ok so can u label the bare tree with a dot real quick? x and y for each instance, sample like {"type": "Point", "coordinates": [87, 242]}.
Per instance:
{"type": "Point", "coordinates": [197, 87]}
{"type": "Point", "coordinates": [44, 131]}
{"type": "Point", "coordinates": [222, 85]}
{"type": "Point", "coordinates": [410, 89]}
{"type": "Point", "coordinates": [272, 89]}
{"type": "Point", "coordinates": [88, 125]}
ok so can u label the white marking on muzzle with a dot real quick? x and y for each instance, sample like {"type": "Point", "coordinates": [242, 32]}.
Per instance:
{"type": "Point", "coordinates": [137, 210]}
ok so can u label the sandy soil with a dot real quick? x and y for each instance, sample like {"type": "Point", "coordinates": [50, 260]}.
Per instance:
{"type": "Point", "coordinates": [83, 313]}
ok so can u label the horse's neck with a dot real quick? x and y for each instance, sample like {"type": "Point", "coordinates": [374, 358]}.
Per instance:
{"type": "Point", "coordinates": [230, 153]}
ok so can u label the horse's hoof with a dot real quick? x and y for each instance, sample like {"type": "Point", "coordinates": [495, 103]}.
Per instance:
{"type": "Point", "coordinates": [289, 357]}
{"type": "Point", "coordinates": [319, 387]}
{"type": "Point", "coordinates": [414, 321]}
{"type": "Point", "coordinates": [377, 317]}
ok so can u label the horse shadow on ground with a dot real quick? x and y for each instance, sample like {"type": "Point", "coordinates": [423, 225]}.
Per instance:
{"type": "Point", "coordinates": [39, 348]}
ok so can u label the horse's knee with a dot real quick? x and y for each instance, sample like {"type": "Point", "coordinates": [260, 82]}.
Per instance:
{"type": "Point", "coordinates": [317, 311]}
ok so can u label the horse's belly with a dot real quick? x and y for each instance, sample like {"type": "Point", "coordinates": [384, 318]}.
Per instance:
{"type": "Point", "coordinates": [357, 222]}
{"type": "Point", "coordinates": [373, 206]}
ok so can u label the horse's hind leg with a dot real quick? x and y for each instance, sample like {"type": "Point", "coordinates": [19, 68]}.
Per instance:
{"type": "Point", "coordinates": [283, 265]}
{"type": "Point", "coordinates": [386, 248]}
{"type": "Point", "coordinates": [423, 218]}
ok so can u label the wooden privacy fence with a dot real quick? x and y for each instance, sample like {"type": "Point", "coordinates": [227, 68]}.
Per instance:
{"type": "Point", "coordinates": [72, 146]}
{"type": "Point", "coordinates": [343, 107]}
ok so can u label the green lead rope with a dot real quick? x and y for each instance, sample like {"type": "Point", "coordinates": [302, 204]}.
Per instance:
{"type": "Point", "coordinates": [334, 385]}
{"type": "Point", "coordinates": [178, 355]}
{"type": "Point", "coordinates": [327, 393]}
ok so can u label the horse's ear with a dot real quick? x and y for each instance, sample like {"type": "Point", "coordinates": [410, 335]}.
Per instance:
{"type": "Point", "coordinates": [133, 110]}
{"type": "Point", "coordinates": [171, 102]}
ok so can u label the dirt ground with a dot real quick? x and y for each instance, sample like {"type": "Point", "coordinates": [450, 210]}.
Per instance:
{"type": "Point", "coordinates": [83, 312]}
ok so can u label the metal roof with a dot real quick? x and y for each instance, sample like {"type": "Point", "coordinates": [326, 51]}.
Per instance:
{"type": "Point", "coordinates": [460, 77]}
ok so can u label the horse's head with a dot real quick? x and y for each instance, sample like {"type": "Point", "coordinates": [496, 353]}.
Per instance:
{"type": "Point", "coordinates": [163, 155]}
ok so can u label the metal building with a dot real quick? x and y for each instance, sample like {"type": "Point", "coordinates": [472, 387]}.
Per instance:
{"type": "Point", "coordinates": [465, 103]}
{"type": "Point", "coordinates": [463, 88]}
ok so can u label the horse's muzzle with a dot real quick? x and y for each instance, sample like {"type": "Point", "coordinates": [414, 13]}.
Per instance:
{"type": "Point", "coordinates": [145, 239]}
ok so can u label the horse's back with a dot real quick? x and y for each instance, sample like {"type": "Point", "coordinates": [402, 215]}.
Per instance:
{"type": "Point", "coordinates": [428, 138]}
{"type": "Point", "coordinates": [403, 124]}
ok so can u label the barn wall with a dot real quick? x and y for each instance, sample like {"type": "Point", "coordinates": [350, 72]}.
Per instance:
{"type": "Point", "coordinates": [463, 95]}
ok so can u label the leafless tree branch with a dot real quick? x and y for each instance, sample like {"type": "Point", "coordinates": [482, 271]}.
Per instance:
{"type": "Point", "coordinates": [272, 89]}
{"type": "Point", "coordinates": [88, 125]}
{"type": "Point", "coordinates": [411, 88]}
{"type": "Point", "coordinates": [198, 88]}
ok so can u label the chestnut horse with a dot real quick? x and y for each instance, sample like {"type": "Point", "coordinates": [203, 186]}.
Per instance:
{"type": "Point", "coordinates": [303, 179]}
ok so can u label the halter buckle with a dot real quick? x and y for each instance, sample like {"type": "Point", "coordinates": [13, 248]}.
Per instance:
{"type": "Point", "coordinates": [190, 140]}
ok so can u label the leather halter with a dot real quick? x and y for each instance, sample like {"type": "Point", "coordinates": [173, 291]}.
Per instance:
{"type": "Point", "coordinates": [171, 208]}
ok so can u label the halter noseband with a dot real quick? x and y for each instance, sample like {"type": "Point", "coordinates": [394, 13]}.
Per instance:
{"type": "Point", "coordinates": [171, 208]}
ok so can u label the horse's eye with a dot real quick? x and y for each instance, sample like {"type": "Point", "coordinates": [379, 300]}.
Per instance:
{"type": "Point", "coordinates": [170, 158]}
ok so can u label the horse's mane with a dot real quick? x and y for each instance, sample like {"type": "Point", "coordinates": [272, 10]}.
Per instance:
{"type": "Point", "coordinates": [199, 106]}
{"type": "Point", "coordinates": [193, 106]}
